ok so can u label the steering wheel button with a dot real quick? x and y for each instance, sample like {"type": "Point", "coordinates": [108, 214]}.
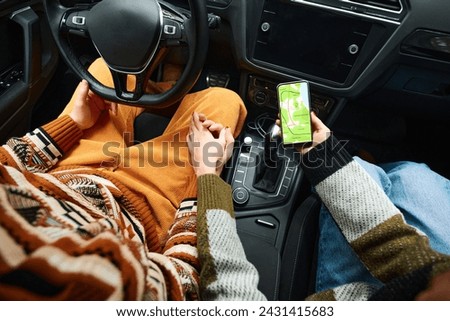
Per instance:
{"type": "Point", "coordinates": [79, 20]}
{"type": "Point", "coordinates": [170, 30]}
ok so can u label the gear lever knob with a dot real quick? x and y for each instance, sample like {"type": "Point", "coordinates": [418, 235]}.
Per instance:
{"type": "Point", "coordinates": [271, 141]}
{"type": "Point", "coordinates": [275, 132]}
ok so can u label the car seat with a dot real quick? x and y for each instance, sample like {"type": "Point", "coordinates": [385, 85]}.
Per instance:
{"type": "Point", "coordinates": [299, 257]}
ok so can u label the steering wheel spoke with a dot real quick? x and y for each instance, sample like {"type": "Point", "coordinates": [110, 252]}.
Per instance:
{"type": "Point", "coordinates": [121, 85]}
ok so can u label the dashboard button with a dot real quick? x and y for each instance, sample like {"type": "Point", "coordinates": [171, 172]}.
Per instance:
{"type": "Point", "coordinates": [240, 195]}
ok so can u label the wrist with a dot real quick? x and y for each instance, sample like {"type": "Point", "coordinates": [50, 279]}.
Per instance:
{"type": "Point", "coordinates": [76, 121]}
{"type": "Point", "coordinates": [64, 132]}
{"type": "Point", "coordinates": [325, 159]}
{"type": "Point", "coordinates": [205, 171]}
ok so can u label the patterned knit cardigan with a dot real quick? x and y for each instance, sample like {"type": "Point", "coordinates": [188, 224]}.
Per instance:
{"type": "Point", "coordinates": [73, 234]}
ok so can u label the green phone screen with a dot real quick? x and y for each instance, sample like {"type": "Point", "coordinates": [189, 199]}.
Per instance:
{"type": "Point", "coordinates": [294, 104]}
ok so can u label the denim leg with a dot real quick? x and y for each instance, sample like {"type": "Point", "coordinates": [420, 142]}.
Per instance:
{"type": "Point", "coordinates": [337, 263]}
{"type": "Point", "coordinates": [423, 197]}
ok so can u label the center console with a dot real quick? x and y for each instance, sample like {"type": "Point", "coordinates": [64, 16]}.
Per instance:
{"type": "Point", "coordinates": [267, 180]}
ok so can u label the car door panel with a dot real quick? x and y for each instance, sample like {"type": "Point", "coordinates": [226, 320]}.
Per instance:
{"type": "Point", "coordinates": [28, 57]}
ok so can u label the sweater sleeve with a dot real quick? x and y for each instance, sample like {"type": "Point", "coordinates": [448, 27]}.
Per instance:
{"type": "Point", "coordinates": [181, 268]}
{"type": "Point", "coordinates": [226, 274]}
{"type": "Point", "coordinates": [373, 226]}
{"type": "Point", "coordinates": [40, 149]}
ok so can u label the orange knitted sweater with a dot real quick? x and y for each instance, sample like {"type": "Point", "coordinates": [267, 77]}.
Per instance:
{"type": "Point", "coordinates": [75, 233]}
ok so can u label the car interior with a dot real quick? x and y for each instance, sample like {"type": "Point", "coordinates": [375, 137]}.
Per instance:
{"type": "Point", "coordinates": [379, 75]}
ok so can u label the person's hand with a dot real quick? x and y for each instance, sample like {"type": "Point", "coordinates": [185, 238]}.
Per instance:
{"type": "Point", "coordinates": [88, 106]}
{"type": "Point", "coordinates": [320, 133]}
{"type": "Point", "coordinates": [210, 145]}
{"type": "Point", "coordinates": [438, 289]}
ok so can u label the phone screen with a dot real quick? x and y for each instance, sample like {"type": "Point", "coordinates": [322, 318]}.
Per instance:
{"type": "Point", "coordinates": [294, 104]}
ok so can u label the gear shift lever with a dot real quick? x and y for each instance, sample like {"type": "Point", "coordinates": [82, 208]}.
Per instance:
{"type": "Point", "coordinates": [268, 166]}
{"type": "Point", "coordinates": [271, 141]}
{"type": "Point", "coordinates": [275, 132]}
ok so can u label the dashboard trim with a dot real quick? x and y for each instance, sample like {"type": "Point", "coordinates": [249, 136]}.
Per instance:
{"type": "Point", "coordinates": [346, 11]}
{"type": "Point", "coordinates": [375, 7]}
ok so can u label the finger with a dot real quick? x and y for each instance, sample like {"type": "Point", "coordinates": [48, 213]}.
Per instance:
{"type": "Point", "coordinates": [114, 108]}
{"type": "Point", "coordinates": [191, 130]}
{"type": "Point", "coordinates": [222, 137]}
{"type": "Point", "coordinates": [216, 127]}
{"type": "Point", "coordinates": [189, 138]}
{"type": "Point", "coordinates": [201, 117]}
{"type": "Point", "coordinates": [97, 101]}
{"type": "Point", "coordinates": [195, 126]}
{"type": "Point", "coordinates": [190, 144]}
{"type": "Point", "coordinates": [229, 142]}
{"type": "Point", "coordinates": [196, 121]}
{"type": "Point", "coordinates": [83, 91]}
{"type": "Point", "coordinates": [316, 123]}
{"type": "Point", "coordinates": [193, 133]}
{"type": "Point", "coordinates": [215, 130]}
{"type": "Point", "coordinates": [207, 123]}
{"type": "Point", "coordinates": [229, 136]}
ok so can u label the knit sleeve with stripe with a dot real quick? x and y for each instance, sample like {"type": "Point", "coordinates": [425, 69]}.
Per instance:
{"type": "Point", "coordinates": [374, 227]}
{"type": "Point", "coordinates": [225, 274]}
{"type": "Point", "coordinates": [40, 149]}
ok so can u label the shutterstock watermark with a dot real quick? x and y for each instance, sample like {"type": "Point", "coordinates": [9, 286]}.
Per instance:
{"type": "Point", "coordinates": [156, 153]}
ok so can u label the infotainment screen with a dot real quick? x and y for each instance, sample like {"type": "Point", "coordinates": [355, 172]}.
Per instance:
{"type": "Point", "coordinates": [309, 41]}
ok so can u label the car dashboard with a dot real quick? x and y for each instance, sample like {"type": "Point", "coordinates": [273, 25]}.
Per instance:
{"type": "Point", "coordinates": [341, 46]}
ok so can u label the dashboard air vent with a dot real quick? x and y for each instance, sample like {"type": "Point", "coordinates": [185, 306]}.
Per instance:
{"type": "Point", "coordinates": [394, 5]}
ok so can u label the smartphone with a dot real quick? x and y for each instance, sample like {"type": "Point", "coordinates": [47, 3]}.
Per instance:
{"type": "Point", "coordinates": [295, 112]}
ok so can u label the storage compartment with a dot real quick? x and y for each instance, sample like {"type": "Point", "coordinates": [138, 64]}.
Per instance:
{"type": "Point", "coordinates": [428, 44]}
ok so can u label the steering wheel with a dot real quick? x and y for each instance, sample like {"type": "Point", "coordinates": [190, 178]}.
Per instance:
{"type": "Point", "coordinates": [129, 35]}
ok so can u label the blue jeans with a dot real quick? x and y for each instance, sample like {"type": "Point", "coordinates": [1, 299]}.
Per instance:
{"type": "Point", "coordinates": [423, 197]}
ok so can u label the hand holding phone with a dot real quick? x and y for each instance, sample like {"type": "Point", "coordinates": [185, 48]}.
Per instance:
{"type": "Point", "coordinates": [295, 112]}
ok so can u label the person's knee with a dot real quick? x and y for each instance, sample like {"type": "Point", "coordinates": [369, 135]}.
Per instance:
{"type": "Point", "coordinates": [225, 96]}
{"type": "Point", "coordinates": [225, 105]}
{"type": "Point", "coordinates": [413, 178]}
{"type": "Point", "coordinates": [407, 169]}
{"type": "Point", "coordinates": [100, 71]}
